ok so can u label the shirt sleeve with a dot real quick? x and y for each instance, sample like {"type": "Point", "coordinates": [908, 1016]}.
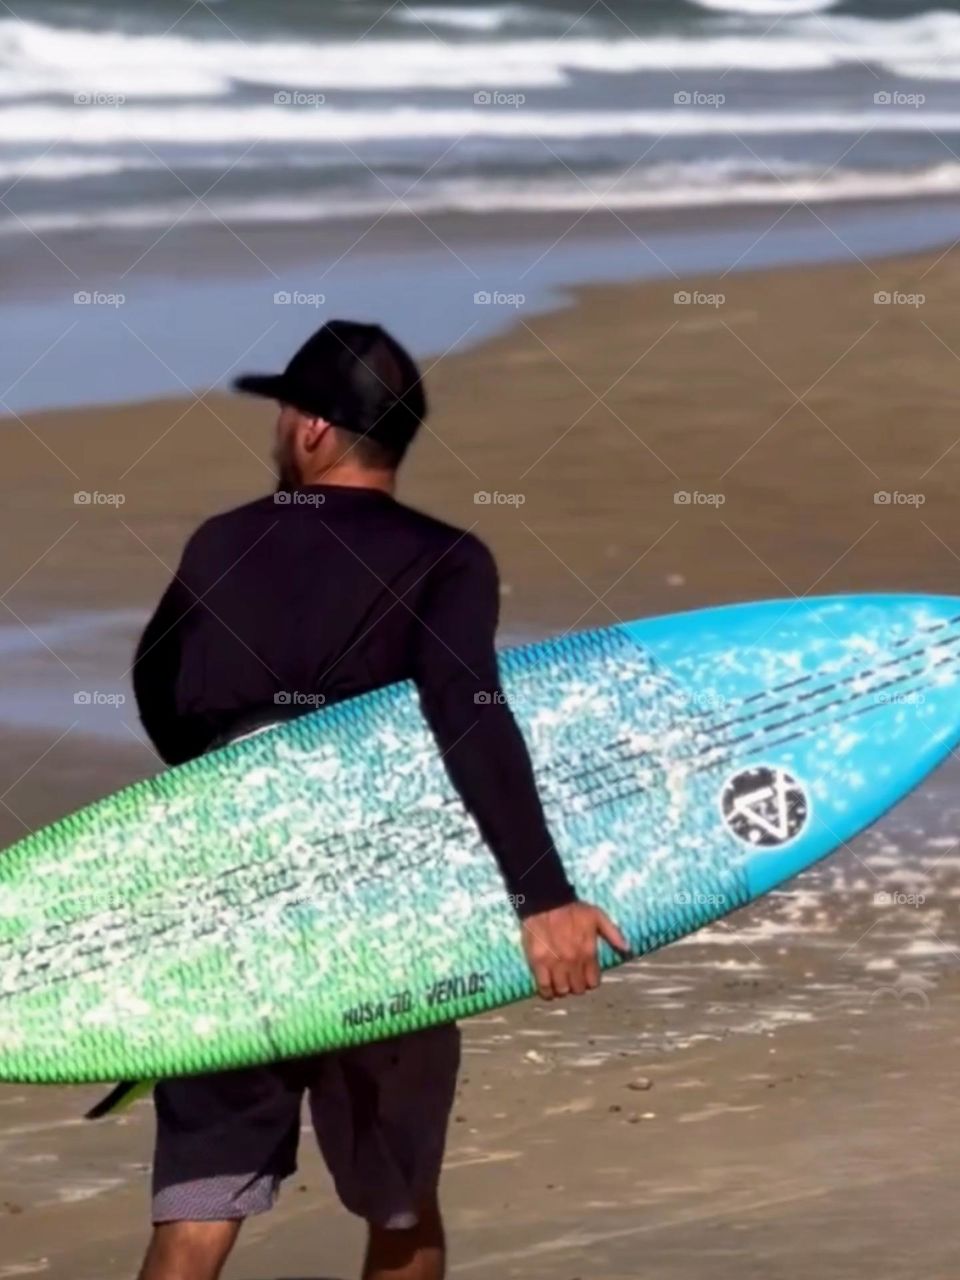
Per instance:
{"type": "Point", "coordinates": [483, 750]}
{"type": "Point", "coordinates": [156, 667]}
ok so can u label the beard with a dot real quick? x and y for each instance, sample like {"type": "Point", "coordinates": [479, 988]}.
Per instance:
{"type": "Point", "coordinates": [288, 473]}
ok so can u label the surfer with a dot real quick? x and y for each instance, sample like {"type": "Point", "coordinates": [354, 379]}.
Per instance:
{"type": "Point", "coordinates": [324, 590]}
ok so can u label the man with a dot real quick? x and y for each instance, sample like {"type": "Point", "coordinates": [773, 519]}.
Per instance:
{"type": "Point", "coordinates": [331, 588]}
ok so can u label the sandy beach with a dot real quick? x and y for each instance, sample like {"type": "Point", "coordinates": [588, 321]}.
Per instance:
{"type": "Point", "coordinates": [768, 1099]}
{"type": "Point", "coordinates": [782, 411]}
{"type": "Point", "coordinates": [831, 1149]}
{"type": "Point", "coordinates": [684, 280]}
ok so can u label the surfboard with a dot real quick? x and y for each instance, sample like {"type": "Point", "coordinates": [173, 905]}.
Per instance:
{"type": "Point", "coordinates": [320, 884]}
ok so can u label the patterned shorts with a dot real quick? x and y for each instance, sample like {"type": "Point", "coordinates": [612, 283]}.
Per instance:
{"type": "Point", "coordinates": [226, 1141]}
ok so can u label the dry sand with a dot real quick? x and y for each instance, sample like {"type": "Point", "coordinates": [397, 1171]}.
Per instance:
{"type": "Point", "coordinates": [822, 1139]}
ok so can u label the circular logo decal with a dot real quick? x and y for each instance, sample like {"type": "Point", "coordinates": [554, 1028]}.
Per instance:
{"type": "Point", "coordinates": [764, 806]}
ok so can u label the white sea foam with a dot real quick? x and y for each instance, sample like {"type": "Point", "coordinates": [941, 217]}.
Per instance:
{"type": "Point", "coordinates": [95, 126]}
{"type": "Point", "coordinates": [494, 18]}
{"type": "Point", "coordinates": [58, 168]}
{"type": "Point", "coordinates": [766, 8]}
{"type": "Point", "coordinates": [927, 947]}
{"type": "Point", "coordinates": [487, 195]}
{"type": "Point", "coordinates": [942, 842]}
{"type": "Point", "coordinates": [38, 58]}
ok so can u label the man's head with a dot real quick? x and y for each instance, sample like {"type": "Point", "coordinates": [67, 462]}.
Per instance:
{"type": "Point", "coordinates": [351, 401]}
{"type": "Point", "coordinates": [307, 450]}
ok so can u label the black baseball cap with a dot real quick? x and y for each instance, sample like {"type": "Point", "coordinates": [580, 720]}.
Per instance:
{"type": "Point", "coordinates": [354, 375]}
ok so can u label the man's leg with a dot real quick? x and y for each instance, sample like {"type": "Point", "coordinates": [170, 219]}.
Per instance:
{"type": "Point", "coordinates": [380, 1112]}
{"type": "Point", "coordinates": [189, 1250]}
{"type": "Point", "coordinates": [416, 1253]}
{"type": "Point", "coordinates": [225, 1141]}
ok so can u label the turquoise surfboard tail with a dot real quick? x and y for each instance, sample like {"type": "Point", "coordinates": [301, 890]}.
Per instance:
{"type": "Point", "coordinates": [855, 698]}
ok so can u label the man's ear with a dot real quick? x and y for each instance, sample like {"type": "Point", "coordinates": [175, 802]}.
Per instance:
{"type": "Point", "coordinates": [317, 429]}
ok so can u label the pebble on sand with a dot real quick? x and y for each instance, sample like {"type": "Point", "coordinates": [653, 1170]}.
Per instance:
{"type": "Point", "coordinates": [640, 1084]}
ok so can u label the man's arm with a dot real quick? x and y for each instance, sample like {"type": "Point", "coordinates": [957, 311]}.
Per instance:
{"type": "Point", "coordinates": [482, 747]}
{"type": "Point", "coordinates": [155, 670]}
{"type": "Point", "coordinates": [487, 760]}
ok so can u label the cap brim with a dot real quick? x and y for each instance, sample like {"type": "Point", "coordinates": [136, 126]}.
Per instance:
{"type": "Point", "coordinates": [270, 385]}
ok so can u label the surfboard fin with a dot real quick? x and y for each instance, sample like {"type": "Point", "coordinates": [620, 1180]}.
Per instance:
{"type": "Point", "coordinates": [120, 1097]}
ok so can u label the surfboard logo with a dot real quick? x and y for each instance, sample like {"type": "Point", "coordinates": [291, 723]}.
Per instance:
{"type": "Point", "coordinates": [764, 806]}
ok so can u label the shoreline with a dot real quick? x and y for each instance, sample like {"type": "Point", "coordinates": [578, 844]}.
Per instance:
{"type": "Point", "coordinates": [197, 299]}
{"type": "Point", "coordinates": [202, 245]}
{"type": "Point", "coordinates": [677, 395]}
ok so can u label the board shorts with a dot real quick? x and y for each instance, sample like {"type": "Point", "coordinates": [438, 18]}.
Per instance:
{"type": "Point", "coordinates": [226, 1141]}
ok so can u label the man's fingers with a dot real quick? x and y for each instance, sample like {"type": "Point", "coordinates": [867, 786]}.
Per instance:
{"type": "Point", "coordinates": [578, 979]}
{"type": "Point", "coordinates": [561, 948]}
{"type": "Point", "coordinates": [541, 973]}
{"type": "Point", "coordinates": [610, 933]}
{"type": "Point", "coordinates": [561, 979]}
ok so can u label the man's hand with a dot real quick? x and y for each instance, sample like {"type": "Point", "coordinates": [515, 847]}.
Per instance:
{"type": "Point", "coordinates": [561, 948]}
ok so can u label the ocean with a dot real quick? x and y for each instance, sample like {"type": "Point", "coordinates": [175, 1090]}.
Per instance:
{"type": "Point", "coordinates": [138, 115]}
{"type": "Point", "coordinates": [220, 177]}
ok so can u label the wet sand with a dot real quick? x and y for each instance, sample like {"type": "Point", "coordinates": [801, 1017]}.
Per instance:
{"type": "Point", "coordinates": [801, 1053]}
{"type": "Point", "coordinates": [782, 412]}
{"type": "Point", "coordinates": [831, 1151]}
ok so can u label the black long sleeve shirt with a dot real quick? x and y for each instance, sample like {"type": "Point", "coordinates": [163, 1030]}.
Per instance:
{"type": "Point", "coordinates": [330, 594]}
